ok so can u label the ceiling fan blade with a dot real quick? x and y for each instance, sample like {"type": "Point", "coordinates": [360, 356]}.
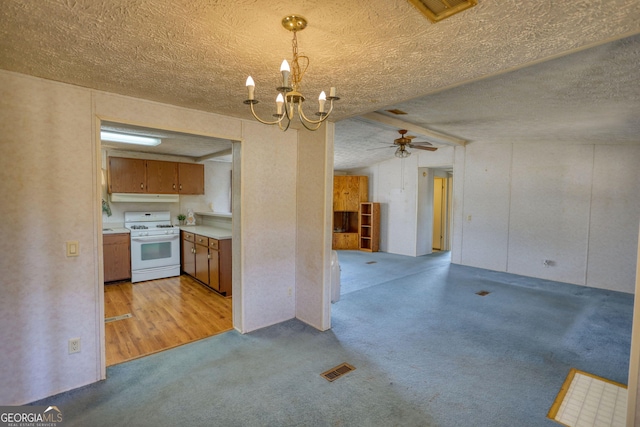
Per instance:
{"type": "Point", "coordinates": [421, 143]}
{"type": "Point", "coordinates": [422, 147]}
{"type": "Point", "coordinates": [378, 148]}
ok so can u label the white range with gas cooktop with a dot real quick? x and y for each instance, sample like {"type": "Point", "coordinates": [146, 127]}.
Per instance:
{"type": "Point", "coordinates": [155, 245]}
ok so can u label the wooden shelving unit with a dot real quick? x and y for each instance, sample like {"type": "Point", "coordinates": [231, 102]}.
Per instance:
{"type": "Point", "coordinates": [348, 192]}
{"type": "Point", "coordinates": [369, 227]}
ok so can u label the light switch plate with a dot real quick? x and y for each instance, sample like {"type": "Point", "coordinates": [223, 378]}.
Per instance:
{"type": "Point", "coordinates": [73, 248]}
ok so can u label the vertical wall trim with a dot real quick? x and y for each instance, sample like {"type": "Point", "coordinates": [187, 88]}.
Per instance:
{"type": "Point", "coordinates": [237, 255]}
{"type": "Point", "coordinates": [634, 358]}
{"type": "Point", "coordinates": [510, 179]}
{"type": "Point", "coordinates": [590, 214]}
{"type": "Point", "coordinates": [462, 197]}
{"type": "Point", "coordinates": [96, 151]}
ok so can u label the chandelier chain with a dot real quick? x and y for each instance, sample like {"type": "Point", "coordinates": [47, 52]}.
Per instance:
{"type": "Point", "coordinates": [296, 71]}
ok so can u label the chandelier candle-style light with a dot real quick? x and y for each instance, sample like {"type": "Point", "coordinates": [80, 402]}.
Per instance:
{"type": "Point", "coordinates": [290, 99]}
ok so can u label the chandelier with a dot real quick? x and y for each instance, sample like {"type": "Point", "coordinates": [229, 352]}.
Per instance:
{"type": "Point", "coordinates": [289, 100]}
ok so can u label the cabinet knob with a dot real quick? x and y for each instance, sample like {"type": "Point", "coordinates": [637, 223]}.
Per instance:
{"type": "Point", "coordinates": [181, 186]}
{"type": "Point", "coordinates": [174, 186]}
{"type": "Point", "coordinates": [142, 186]}
{"type": "Point", "coordinates": [209, 256]}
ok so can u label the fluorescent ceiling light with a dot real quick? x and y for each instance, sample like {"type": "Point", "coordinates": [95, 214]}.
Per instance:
{"type": "Point", "coordinates": [129, 139]}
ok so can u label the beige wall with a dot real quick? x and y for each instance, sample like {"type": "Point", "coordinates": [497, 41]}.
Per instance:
{"type": "Point", "coordinates": [268, 225]}
{"type": "Point", "coordinates": [50, 161]}
{"type": "Point", "coordinates": [314, 217]}
{"type": "Point", "coordinates": [48, 189]}
{"type": "Point", "coordinates": [574, 204]}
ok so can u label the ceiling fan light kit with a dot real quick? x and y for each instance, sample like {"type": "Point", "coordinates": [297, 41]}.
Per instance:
{"type": "Point", "coordinates": [402, 152]}
{"type": "Point", "coordinates": [289, 100]}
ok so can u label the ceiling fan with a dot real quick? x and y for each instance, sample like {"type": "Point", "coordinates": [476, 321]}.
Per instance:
{"type": "Point", "coordinates": [407, 141]}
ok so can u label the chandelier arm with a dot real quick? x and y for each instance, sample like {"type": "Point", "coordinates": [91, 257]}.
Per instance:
{"type": "Point", "coordinates": [264, 121]}
{"type": "Point", "coordinates": [316, 127]}
{"type": "Point", "coordinates": [284, 129]}
{"type": "Point", "coordinates": [324, 117]}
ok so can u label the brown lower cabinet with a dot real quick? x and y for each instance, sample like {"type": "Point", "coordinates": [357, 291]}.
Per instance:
{"type": "Point", "coordinates": [345, 241]}
{"type": "Point", "coordinates": [208, 260]}
{"type": "Point", "coordinates": [116, 251]}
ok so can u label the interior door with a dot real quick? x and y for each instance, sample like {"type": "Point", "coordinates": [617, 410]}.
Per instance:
{"type": "Point", "coordinates": [438, 213]}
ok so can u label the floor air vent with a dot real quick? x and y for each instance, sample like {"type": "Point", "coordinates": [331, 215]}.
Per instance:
{"type": "Point", "coordinates": [437, 10]}
{"type": "Point", "coordinates": [371, 262]}
{"type": "Point", "coordinates": [483, 293]}
{"type": "Point", "coordinates": [114, 318]}
{"type": "Point", "coordinates": [335, 373]}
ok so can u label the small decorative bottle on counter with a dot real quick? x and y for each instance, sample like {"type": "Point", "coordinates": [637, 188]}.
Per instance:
{"type": "Point", "coordinates": [191, 218]}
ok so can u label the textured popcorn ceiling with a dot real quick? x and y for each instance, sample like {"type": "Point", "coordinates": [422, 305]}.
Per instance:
{"type": "Point", "coordinates": [379, 54]}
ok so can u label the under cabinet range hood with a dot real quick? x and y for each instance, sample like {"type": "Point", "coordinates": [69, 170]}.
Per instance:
{"type": "Point", "coordinates": [144, 198]}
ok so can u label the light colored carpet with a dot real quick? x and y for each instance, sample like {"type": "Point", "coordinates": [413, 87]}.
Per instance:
{"type": "Point", "coordinates": [427, 350]}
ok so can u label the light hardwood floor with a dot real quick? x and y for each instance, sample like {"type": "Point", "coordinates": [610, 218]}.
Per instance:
{"type": "Point", "coordinates": [165, 313]}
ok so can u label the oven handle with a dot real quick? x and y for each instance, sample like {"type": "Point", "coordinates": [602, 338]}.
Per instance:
{"type": "Point", "coordinates": [162, 238]}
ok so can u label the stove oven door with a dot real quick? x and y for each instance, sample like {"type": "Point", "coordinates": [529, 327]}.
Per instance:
{"type": "Point", "coordinates": [155, 251]}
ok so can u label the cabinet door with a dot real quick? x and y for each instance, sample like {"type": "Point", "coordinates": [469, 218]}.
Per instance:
{"type": "Point", "coordinates": [348, 192]}
{"type": "Point", "coordinates": [345, 241]}
{"type": "Point", "coordinates": [214, 270]}
{"type": "Point", "coordinates": [126, 175]}
{"type": "Point", "coordinates": [190, 178]}
{"type": "Point", "coordinates": [116, 257]}
{"type": "Point", "coordinates": [225, 266]}
{"type": "Point", "coordinates": [162, 177]}
{"type": "Point", "coordinates": [188, 257]}
{"type": "Point", "coordinates": [341, 191]}
{"type": "Point", "coordinates": [202, 263]}
{"type": "Point", "coordinates": [363, 189]}
{"type": "Point", "coordinates": [352, 194]}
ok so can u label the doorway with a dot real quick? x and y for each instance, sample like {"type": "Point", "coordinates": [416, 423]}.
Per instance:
{"type": "Point", "coordinates": [442, 209]}
{"type": "Point", "coordinates": [155, 315]}
{"type": "Point", "coordinates": [441, 212]}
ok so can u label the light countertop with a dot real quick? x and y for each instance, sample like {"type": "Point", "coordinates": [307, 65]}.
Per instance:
{"type": "Point", "coordinates": [108, 229]}
{"type": "Point", "coordinates": [216, 214]}
{"type": "Point", "coordinates": [208, 231]}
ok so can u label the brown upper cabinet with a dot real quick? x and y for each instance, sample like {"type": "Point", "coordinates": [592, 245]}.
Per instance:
{"type": "Point", "coordinates": [162, 177]}
{"type": "Point", "coordinates": [154, 176]}
{"type": "Point", "coordinates": [127, 175]}
{"type": "Point", "coordinates": [191, 178]}
{"type": "Point", "coordinates": [349, 191]}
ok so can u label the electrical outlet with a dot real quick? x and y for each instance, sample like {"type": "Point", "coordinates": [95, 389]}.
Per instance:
{"type": "Point", "coordinates": [74, 345]}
